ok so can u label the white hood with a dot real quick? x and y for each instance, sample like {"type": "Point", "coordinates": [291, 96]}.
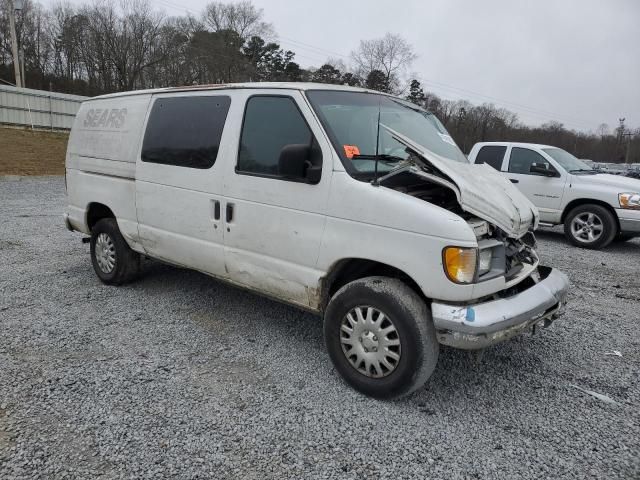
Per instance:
{"type": "Point", "coordinates": [619, 183]}
{"type": "Point", "coordinates": [481, 190]}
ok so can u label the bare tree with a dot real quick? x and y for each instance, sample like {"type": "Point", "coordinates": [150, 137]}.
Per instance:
{"type": "Point", "coordinates": [242, 18]}
{"type": "Point", "coordinates": [391, 54]}
{"type": "Point", "coordinates": [602, 130]}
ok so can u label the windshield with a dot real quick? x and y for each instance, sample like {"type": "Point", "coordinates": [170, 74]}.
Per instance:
{"type": "Point", "coordinates": [566, 160]}
{"type": "Point", "coordinates": [351, 120]}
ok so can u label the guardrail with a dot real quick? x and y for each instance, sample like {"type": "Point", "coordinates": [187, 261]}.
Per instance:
{"type": "Point", "coordinates": [38, 108]}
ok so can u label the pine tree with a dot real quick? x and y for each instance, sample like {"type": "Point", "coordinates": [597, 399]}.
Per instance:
{"type": "Point", "coordinates": [416, 94]}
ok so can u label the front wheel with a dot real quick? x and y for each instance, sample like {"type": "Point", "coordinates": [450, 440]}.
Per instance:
{"type": "Point", "coordinates": [380, 337]}
{"type": "Point", "coordinates": [590, 226]}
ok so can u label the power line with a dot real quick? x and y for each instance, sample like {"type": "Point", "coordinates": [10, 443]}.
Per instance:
{"type": "Point", "coordinates": [524, 109]}
{"type": "Point", "coordinates": [317, 51]}
{"type": "Point", "coordinates": [175, 6]}
{"type": "Point", "coordinates": [309, 47]}
{"type": "Point", "coordinates": [515, 104]}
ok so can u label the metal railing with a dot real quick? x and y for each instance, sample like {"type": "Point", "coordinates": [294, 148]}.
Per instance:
{"type": "Point", "coordinates": [38, 108]}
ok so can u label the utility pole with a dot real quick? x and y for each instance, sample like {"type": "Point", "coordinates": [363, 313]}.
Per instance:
{"type": "Point", "coordinates": [627, 158]}
{"type": "Point", "coordinates": [22, 75]}
{"type": "Point", "coordinates": [14, 44]}
{"type": "Point", "coordinates": [622, 133]}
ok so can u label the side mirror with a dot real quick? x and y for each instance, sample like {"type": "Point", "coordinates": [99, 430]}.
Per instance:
{"type": "Point", "coordinates": [542, 169]}
{"type": "Point", "coordinates": [295, 163]}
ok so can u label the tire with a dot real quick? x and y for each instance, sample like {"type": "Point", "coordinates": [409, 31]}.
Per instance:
{"type": "Point", "coordinates": [416, 352]}
{"type": "Point", "coordinates": [598, 223]}
{"type": "Point", "coordinates": [113, 261]}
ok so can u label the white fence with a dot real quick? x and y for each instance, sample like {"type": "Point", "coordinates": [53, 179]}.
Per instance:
{"type": "Point", "coordinates": [38, 108]}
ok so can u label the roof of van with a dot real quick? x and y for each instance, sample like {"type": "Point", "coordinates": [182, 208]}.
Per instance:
{"type": "Point", "coordinates": [248, 85]}
{"type": "Point", "coordinates": [518, 144]}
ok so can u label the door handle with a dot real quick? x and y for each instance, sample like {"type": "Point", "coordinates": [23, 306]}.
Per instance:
{"type": "Point", "coordinates": [513, 180]}
{"type": "Point", "coordinates": [229, 212]}
{"type": "Point", "coordinates": [216, 209]}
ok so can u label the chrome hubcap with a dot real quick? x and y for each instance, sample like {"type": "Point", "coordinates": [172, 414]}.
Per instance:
{"type": "Point", "coordinates": [587, 227]}
{"type": "Point", "coordinates": [370, 341]}
{"type": "Point", "coordinates": [105, 252]}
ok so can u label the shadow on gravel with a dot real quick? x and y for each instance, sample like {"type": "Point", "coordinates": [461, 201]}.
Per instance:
{"type": "Point", "coordinates": [557, 237]}
{"type": "Point", "coordinates": [550, 235]}
{"type": "Point", "coordinates": [218, 308]}
{"type": "Point", "coordinates": [219, 305]}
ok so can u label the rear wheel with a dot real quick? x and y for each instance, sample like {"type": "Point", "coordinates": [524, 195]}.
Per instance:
{"type": "Point", "coordinates": [590, 226]}
{"type": "Point", "coordinates": [380, 337]}
{"type": "Point", "coordinates": [113, 261]}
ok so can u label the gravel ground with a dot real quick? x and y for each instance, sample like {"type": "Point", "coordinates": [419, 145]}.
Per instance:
{"type": "Point", "coordinates": [178, 375]}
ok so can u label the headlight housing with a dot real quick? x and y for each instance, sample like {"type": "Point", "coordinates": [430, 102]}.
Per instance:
{"type": "Point", "coordinates": [629, 200]}
{"type": "Point", "coordinates": [460, 264]}
{"type": "Point", "coordinates": [485, 258]}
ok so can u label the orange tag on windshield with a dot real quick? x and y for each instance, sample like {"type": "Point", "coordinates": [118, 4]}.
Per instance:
{"type": "Point", "coordinates": [351, 150]}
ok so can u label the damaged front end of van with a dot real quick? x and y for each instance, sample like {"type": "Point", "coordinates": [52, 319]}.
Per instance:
{"type": "Point", "coordinates": [503, 221]}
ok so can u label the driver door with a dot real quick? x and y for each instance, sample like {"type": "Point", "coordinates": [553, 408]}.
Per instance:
{"type": "Point", "coordinates": [274, 223]}
{"type": "Point", "coordinates": [544, 192]}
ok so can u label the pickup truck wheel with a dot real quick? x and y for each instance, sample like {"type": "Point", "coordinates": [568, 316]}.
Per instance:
{"type": "Point", "coordinates": [590, 226]}
{"type": "Point", "coordinates": [113, 261]}
{"type": "Point", "coordinates": [380, 337]}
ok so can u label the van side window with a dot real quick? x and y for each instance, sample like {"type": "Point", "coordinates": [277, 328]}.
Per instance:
{"type": "Point", "coordinates": [492, 155]}
{"type": "Point", "coordinates": [185, 131]}
{"type": "Point", "coordinates": [270, 123]}
{"type": "Point", "coordinates": [522, 159]}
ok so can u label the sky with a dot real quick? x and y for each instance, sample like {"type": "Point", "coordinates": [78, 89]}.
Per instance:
{"type": "Point", "coordinates": [573, 61]}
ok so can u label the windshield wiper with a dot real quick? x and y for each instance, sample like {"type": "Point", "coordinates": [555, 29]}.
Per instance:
{"type": "Point", "coordinates": [583, 170]}
{"type": "Point", "coordinates": [387, 159]}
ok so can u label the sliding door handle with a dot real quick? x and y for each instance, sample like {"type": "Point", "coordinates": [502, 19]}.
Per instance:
{"type": "Point", "coordinates": [230, 212]}
{"type": "Point", "coordinates": [216, 209]}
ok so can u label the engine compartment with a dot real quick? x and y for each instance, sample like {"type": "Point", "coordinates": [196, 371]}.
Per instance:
{"type": "Point", "coordinates": [434, 193]}
{"type": "Point", "coordinates": [517, 252]}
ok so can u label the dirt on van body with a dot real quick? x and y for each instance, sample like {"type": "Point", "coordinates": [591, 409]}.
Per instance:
{"type": "Point", "coordinates": [32, 152]}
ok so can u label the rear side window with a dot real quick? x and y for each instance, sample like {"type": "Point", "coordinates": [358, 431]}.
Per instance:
{"type": "Point", "coordinates": [522, 159]}
{"type": "Point", "coordinates": [185, 131]}
{"type": "Point", "coordinates": [492, 155]}
{"type": "Point", "coordinates": [270, 123]}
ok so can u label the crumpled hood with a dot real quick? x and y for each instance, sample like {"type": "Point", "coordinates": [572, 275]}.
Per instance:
{"type": "Point", "coordinates": [481, 190]}
{"type": "Point", "coordinates": [620, 183]}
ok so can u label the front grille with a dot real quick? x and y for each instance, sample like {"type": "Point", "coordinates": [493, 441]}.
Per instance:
{"type": "Point", "coordinates": [519, 252]}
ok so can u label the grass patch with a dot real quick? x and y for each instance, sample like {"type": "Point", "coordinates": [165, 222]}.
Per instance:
{"type": "Point", "coordinates": [32, 152]}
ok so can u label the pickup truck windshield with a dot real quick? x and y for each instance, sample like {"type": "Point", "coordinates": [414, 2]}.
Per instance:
{"type": "Point", "coordinates": [351, 120]}
{"type": "Point", "coordinates": [567, 161]}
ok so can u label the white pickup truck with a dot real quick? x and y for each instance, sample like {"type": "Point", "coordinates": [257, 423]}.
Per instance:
{"type": "Point", "coordinates": [595, 208]}
{"type": "Point", "coordinates": [355, 205]}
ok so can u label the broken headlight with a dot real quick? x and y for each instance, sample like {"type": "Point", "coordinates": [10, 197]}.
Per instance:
{"type": "Point", "coordinates": [484, 261]}
{"type": "Point", "coordinates": [491, 259]}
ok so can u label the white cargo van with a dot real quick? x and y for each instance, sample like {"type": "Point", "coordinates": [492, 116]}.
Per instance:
{"type": "Point", "coordinates": [596, 208]}
{"type": "Point", "coordinates": [349, 203]}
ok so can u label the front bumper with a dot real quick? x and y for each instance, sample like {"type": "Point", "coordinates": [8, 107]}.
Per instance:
{"type": "Point", "coordinates": [471, 327]}
{"type": "Point", "coordinates": [629, 220]}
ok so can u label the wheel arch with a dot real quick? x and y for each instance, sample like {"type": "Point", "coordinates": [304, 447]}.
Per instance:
{"type": "Point", "coordinates": [589, 201]}
{"type": "Point", "coordinates": [349, 269]}
{"type": "Point", "coordinates": [97, 211]}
